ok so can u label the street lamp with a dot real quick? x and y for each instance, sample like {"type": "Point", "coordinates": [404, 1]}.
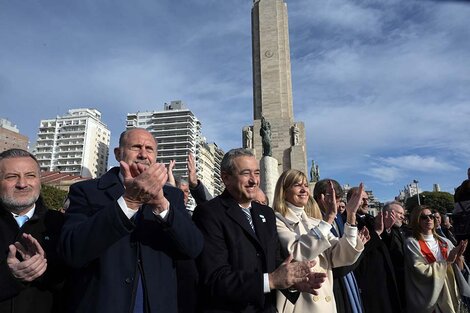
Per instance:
{"type": "Point", "coordinates": [417, 190]}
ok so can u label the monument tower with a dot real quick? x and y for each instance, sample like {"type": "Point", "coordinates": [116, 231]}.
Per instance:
{"type": "Point", "coordinates": [272, 88]}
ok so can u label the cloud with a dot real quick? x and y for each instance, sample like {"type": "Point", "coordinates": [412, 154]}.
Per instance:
{"type": "Point", "coordinates": [382, 87]}
{"type": "Point", "coordinates": [385, 174]}
{"type": "Point", "coordinates": [419, 163]}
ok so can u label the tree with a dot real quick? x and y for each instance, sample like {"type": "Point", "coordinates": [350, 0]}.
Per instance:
{"type": "Point", "coordinates": [53, 197]}
{"type": "Point", "coordinates": [437, 200]}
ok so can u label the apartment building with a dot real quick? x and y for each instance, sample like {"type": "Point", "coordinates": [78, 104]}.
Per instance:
{"type": "Point", "coordinates": [178, 133]}
{"type": "Point", "coordinates": [76, 143]}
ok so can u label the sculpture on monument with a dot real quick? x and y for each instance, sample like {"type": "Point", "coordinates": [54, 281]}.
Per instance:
{"type": "Point", "coordinates": [295, 134]}
{"type": "Point", "coordinates": [314, 173]}
{"type": "Point", "coordinates": [265, 133]}
{"type": "Point", "coordinates": [249, 138]}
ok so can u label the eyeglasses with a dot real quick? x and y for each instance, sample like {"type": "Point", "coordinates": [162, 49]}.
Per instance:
{"type": "Point", "coordinates": [427, 217]}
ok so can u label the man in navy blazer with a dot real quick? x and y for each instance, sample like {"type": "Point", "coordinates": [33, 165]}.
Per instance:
{"type": "Point", "coordinates": [240, 265]}
{"type": "Point", "coordinates": [123, 232]}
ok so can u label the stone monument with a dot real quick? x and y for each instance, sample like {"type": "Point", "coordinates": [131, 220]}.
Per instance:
{"type": "Point", "coordinates": [272, 88]}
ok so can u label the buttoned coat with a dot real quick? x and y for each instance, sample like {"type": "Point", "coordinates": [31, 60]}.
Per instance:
{"type": "Point", "coordinates": [106, 248]}
{"type": "Point", "coordinates": [302, 237]}
{"type": "Point", "coordinates": [44, 294]}
{"type": "Point", "coordinates": [375, 274]}
{"type": "Point", "coordinates": [234, 258]}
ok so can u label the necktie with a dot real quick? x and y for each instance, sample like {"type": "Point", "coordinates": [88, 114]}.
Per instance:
{"type": "Point", "coordinates": [21, 219]}
{"type": "Point", "coordinates": [247, 213]}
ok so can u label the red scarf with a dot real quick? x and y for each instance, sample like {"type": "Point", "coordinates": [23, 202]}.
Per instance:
{"type": "Point", "coordinates": [428, 254]}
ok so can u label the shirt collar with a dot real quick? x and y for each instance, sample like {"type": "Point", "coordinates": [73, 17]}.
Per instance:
{"type": "Point", "coordinates": [29, 214]}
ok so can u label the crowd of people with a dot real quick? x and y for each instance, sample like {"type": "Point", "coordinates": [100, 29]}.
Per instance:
{"type": "Point", "coordinates": [127, 243]}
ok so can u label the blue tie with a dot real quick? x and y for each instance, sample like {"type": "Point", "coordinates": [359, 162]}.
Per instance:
{"type": "Point", "coordinates": [21, 219]}
{"type": "Point", "coordinates": [139, 293]}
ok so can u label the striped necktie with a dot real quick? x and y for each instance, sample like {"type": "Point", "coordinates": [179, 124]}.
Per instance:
{"type": "Point", "coordinates": [21, 219]}
{"type": "Point", "coordinates": [247, 213]}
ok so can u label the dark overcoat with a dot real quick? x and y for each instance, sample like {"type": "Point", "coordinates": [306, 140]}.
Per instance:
{"type": "Point", "coordinates": [375, 274]}
{"type": "Point", "coordinates": [108, 251]}
{"type": "Point", "coordinates": [43, 295]}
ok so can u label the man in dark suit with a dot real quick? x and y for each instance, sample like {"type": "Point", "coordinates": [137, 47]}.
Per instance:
{"type": "Point", "coordinates": [123, 232]}
{"type": "Point", "coordinates": [31, 273]}
{"type": "Point", "coordinates": [394, 236]}
{"type": "Point", "coordinates": [374, 273]}
{"type": "Point", "coordinates": [239, 264]}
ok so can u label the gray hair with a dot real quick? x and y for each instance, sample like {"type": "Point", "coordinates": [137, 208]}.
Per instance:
{"type": "Point", "coordinates": [17, 153]}
{"type": "Point", "coordinates": [181, 181]}
{"type": "Point", "coordinates": [387, 206]}
{"type": "Point", "coordinates": [227, 165]}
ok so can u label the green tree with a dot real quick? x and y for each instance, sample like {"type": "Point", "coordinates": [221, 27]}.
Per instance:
{"type": "Point", "coordinates": [437, 200]}
{"type": "Point", "coordinates": [53, 197]}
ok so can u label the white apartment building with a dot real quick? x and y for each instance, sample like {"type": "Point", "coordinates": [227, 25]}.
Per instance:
{"type": "Point", "coordinates": [178, 133]}
{"type": "Point", "coordinates": [76, 143]}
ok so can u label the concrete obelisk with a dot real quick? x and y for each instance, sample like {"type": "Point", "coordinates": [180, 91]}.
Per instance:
{"type": "Point", "coordinates": [272, 87]}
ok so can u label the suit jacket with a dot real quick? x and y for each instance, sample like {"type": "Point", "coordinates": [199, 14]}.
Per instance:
{"type": "Point", "coordinates": [44, 294]}
{"type": "Point", "coordinates": [234, 258]}
{"type": "Point", "coordinates": [186, 271]}
{"type": "Point", "coordinates": [395, 242]}
{"type": "Point", "coordinates": [375, 274]}
{"type": "Point", "coordinates": [200, 193]}
{"type": "Point", "coordinates": [109, 251]}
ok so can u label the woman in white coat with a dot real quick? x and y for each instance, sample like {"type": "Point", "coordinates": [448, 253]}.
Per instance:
{"type": "Point", "coordinates": [305, 234]}
{"type": "Point", "coordinates": [430, 278]}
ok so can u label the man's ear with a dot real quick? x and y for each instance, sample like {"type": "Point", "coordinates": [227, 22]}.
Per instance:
{"type": "Point", "coordinates": [117, 154]}
{"type": "Point", "coordinates": [225, 177]}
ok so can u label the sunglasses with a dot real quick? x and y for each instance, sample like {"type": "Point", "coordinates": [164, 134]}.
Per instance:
{"type": "Point", "coordinates": [427, 217]}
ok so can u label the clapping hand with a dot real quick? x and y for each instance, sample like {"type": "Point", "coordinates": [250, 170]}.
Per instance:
{"type": "Point", "coordinates": [328, 201]}
{"type": "Point", "coordinates": [34, 262]}
{"type": "Point", "coordinates": [143, 184]}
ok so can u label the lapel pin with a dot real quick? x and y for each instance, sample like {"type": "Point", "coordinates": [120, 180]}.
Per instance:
{"type": "Point", "coordinates": [262, 218]}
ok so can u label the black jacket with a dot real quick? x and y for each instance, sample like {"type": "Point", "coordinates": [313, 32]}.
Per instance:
{"type": "Point", "coordinates": [234, 258]}
{"type": "Point", "coordinates": [43, 295]}
{"type": "Point", "coordinates": [106, 249]}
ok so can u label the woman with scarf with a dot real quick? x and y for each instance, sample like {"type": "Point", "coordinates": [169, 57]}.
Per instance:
{"type": "Point", "coordinates": [433, 267]}
{"type": "Point", "coordinates": [305, 234]}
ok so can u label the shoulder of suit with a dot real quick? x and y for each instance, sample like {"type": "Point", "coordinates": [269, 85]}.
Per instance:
{"type": "Point", "coordinates": [171, 189]}
{"type": "Point", "coordinates": [109, 178]}
{"type": "Point", "coordinates": [266, 209]}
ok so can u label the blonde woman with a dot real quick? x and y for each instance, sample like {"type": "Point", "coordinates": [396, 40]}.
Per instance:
{"type": "Point", "coordinates": [305, 234]}
{"type": "Point", "coordinates": [430, 277]}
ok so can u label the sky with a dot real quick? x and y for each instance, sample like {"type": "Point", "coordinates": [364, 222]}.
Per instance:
{"type": "Point", "coordinates": [383, 87]}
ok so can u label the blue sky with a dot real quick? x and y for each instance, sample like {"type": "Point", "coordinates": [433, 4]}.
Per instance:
{"type": "Point", "coordinates": [383, 87]}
